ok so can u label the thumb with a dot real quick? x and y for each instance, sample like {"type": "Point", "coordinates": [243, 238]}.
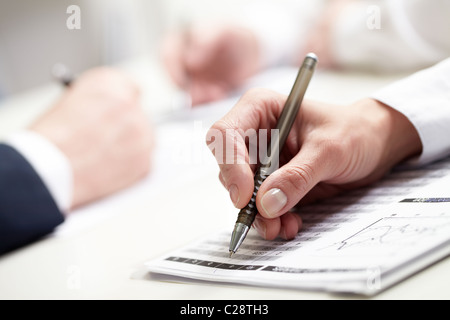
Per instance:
{"type": "Point", "coordinates": [284, 188]}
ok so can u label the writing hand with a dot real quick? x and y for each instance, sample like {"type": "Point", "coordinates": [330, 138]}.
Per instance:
{"type": "Point", "coordinates": [329, 149]}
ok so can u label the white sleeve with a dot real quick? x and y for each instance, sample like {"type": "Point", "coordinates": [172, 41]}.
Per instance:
{"type": "Point", "coordinates": [391, 35]}
{"type": "Point", "coordinates": [424, 98]}
{"type": "Point", "coordinates": [49, 162]}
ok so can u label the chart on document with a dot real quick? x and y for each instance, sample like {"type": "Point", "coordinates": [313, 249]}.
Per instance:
{"type": "Point", "coordinates": [362, 241]}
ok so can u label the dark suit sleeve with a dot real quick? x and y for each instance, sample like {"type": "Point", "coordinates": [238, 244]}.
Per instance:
{"type": "Point", "coordinates": [27, 210]}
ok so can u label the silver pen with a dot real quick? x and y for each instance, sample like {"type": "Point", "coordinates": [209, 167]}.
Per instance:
{"type": "Point", "coordinates": [247, 215]}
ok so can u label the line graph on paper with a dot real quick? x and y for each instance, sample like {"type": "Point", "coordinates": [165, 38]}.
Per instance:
{"type": "Point", "coordinates": [393, 233]}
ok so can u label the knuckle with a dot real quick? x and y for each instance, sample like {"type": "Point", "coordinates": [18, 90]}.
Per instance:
{"type": "Point", "coordinates": [220, 127]}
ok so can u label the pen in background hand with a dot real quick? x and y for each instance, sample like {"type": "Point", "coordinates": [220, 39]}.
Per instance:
{"type": "Point", "coordinates": [247, 215]}
{"type": "Point", "coordinates": [61, 73]}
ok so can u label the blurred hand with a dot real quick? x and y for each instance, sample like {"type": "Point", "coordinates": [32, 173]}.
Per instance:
{"type": "Point", "coordinates": [99, 125]}
{"type": "Point", "coordinates": [329, 149]}
{"type": "Point", "coordinates": [209, 61]}
{"type": "Point", "coordinates": [320, 38]}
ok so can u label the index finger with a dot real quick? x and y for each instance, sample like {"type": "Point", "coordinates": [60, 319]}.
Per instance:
{"type": "Point", "coordinates": [234, 139]}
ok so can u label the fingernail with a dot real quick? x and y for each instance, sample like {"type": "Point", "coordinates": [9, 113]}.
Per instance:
{"type": "Point", "coordinates": [273, 201]}
{"type": "Point", "coordinates": [234, 194]}
{"type": "Point", "coordinates": [260, 226]}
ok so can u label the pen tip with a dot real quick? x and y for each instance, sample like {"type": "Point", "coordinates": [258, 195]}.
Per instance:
{"type": "Point", "coordinates": [231, 253]}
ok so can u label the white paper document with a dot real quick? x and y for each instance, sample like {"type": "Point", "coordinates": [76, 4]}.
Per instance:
{"type": "Point", "coordinates": [361, 242]}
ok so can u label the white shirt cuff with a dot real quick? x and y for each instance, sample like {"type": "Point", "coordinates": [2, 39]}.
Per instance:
{"type": "Point", "coordinates": [49, 162]}
{"type": "Point", "coordinates": [424, 98]}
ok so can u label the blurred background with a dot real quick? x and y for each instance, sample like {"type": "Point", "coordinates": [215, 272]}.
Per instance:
{"type": "Point", "coordinates": [34, 34]}
{"type": "Point", "coordinates": [81, 34]}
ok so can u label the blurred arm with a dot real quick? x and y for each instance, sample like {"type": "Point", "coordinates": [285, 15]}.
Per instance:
{"type": "Point", "coordinates": [52, 166]}
{"type": "Point", "coordinates": [95, 141]}
{"type": "Point", "coordinates": [27, 209]}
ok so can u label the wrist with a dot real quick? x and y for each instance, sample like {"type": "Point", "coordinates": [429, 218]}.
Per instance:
{"type": "Point", "coordinates": [398, 136]}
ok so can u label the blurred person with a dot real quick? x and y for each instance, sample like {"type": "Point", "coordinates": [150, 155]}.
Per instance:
{"type": "Point", "coordinates": [94, 141]}
{"type": "Point", "coordinates": [212, 59]}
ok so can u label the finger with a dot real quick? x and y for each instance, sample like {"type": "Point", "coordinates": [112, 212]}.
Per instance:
{"type": "Point", "coordinates": [236, 176]}
{"type": "Point", "coordinates": [239, 183]}
{"type": "Point", "coordinates": [233, 190]}
{"type": "Point", "coordinates": [291, 223]}
{"type": "Point", "coordinates": [268, 229]}
{"type": "Point", "coordinates": [258, 109]}
{"type": "Point", "coordinates": [286, 226]}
